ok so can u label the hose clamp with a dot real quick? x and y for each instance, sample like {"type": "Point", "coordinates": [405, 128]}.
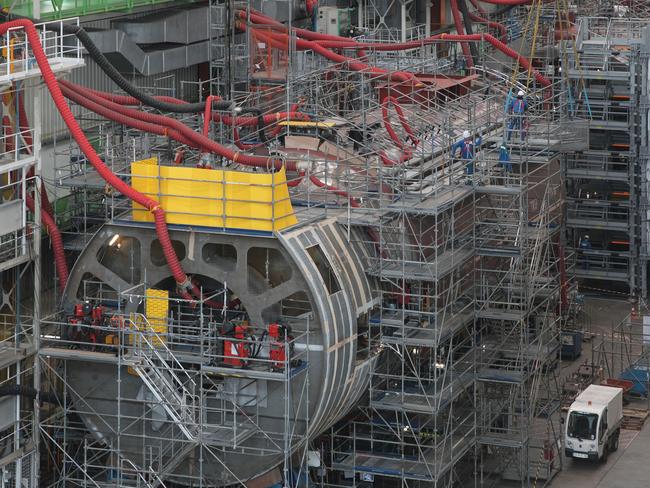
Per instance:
{"type": "Point", "coordinates": [185, 285]}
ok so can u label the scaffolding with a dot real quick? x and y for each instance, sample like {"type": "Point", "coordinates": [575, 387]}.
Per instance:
{"type": "Point", "coordinates": [465, 257]}
{"type": "Point", "coordinates": [190, 403]}
{"type": "Point", "coordinates": [20, 248]}
{"type": "Point", "coordinates": [606, 189]}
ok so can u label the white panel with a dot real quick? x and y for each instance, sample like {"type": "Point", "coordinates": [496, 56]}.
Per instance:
{"type": "Point", "coordinates": [7, 412]}
{"type": "Point", "coordinates": [11, 216]}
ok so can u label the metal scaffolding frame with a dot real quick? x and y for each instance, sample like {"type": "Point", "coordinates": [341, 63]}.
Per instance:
{"type": "Point", "coordinates": [465, 266]}
{"type": "Point", "coordinates": [20, 250]}
{"type": "Point", "coordinates": [606, 184]}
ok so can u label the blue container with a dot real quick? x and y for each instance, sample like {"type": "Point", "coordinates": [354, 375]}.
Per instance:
{"type": "Point", "coordinates": [571, 345]}
{"type": "Point", "coordinates": [640, 376]}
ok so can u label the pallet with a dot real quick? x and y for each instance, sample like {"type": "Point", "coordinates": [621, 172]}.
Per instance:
{"type": "Point", "coordinates": [634, 418]}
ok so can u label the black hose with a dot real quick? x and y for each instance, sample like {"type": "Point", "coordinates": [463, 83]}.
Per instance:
{"type": "Point", "coordinates": [462, 6]}
{"type": "Point", "coordinates": [122, 82]}
{"type": "Point", "coordinates": [30, 392]}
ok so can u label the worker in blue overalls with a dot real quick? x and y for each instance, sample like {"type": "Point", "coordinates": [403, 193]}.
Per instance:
{"type": "Point", "coordinates": [504, 158]}
{"type": "Point", "coordinates": [585, 245]}
{"type": "Point", "coordinates": [517, 110]}
{"type": "Point", "coordinates": [467, 148]}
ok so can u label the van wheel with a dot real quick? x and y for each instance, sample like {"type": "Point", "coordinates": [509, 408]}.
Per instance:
{"type": "Point", "coordinates": [605, 454]}
{"type": "Point", "coordinates": [615, 442]}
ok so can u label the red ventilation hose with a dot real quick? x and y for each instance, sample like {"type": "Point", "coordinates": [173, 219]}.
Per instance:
{"type": "Point", "coordinates": [511, 2]}
{"type": "Point", "coordinates": [479, 8]}
{"type": "Point", "coordinates": [495, 25]}
{"type": "Point", "coordinates": [241, 121]}
{"type": "Point", "coordinates": [521, 60]}
{"type": "Point", "coordinates": [333, 189]}
{"type": "Point", "coordinates": [55, 238]}
{"type": "Point", "coordinates": [101, 168]}
{"type": "Point", "coordinates": [458, 22]}
{"type": "Point", "coordinates": [402, 118]}
{"type": "Point", "coordinates": [156, 128]}
{"type": "Point", "coordinates": [168, 124]}
{"type": "Point", "coordinates": [240, 144]}
{"type": "Point", "coordinates": [281, 41]}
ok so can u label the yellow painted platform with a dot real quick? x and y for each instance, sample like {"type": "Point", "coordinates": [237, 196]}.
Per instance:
{"type": "Point", "coordinates": [214, 198]}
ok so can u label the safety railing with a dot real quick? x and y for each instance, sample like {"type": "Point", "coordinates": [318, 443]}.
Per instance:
{"type": "Point", "coordinates": [57, 9]}
{"type": "Point", "coordinates": [17, 61]}
{"type": "Point", "coordinates": [406, 449]}
{"type": "Point", "coordinates": [598, 165]}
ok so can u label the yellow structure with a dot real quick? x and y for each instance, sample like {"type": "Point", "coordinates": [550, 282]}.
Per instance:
{"type": "Point", "coordinates": [214, 198]}
{"type": "Point", "coordinates": [157, 309]}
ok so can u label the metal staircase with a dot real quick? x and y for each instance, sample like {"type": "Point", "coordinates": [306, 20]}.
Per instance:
{"type": "Point", "coordinates": [156, 365]}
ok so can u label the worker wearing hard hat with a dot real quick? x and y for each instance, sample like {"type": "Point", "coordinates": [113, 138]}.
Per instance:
{"type": "Point", "coordinates": [585, 245]}
{"type": "Point", "coordinates": [517, 111]}
{"type": "Point", "coordinates": [467, 148]}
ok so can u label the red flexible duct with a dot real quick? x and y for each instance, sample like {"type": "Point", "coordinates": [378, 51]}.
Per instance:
{"type": "Point", "coordinates": [207, 114]}
{"type": "Point", "coordinates": [238, 142]}
{"type": "Point", "coordinates": [479, 8]}
{"type": "Point", "coordinates": [104, 109]}
{"type": "Point", "coordinates": [241, 121]}
{"type": "Point", "coordinates": [495, 25]}
{"type": "Point", "coordinates": [55, 238]}
{"type": "Point", "coordinates": [402, 118]}
{"type": "Point", "coordinates": [171, 124]}
{"type": "Point", "coordinates": [281, 41]}
{"type": "Point", "coordinates": [351, 44]}
{"type": "Point", "coordinates": [333, 189]}
{"type": "Point", "coordinates": [88, 150]}
{"type": "Point", "coordinates": [406, 155]}
{"type": "Point", "coordinates": [511, 2]}
{"type": "Point", "coordinates": [458, 22]}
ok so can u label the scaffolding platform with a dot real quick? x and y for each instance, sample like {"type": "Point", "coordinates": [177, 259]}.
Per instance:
{"type": "Point", "coordinates": [496, 375]}
{"type": "Point", "coordinates": [433, 398]}
{"type": "Point", "coordinates": [10, 353]}
{"type": "Point", "coordinates": [417, 336]}
{"type": "Point", "coordinates": [431, 468]}
{"type": "Point", "coordinates": [444, 264]}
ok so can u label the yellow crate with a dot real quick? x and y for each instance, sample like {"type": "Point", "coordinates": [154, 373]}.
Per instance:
{"type": "Point", "coordinates": [214, 198]}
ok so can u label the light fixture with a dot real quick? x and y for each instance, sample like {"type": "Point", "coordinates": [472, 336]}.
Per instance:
{"type": "Point", "coordinates": [113, 240]}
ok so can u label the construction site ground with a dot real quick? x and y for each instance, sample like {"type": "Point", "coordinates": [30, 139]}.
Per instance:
{"type": "Point", "coordinates": [629, 466]}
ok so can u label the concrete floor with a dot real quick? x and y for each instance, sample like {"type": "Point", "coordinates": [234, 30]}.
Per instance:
{"type": "Point", "coordinates": [629, 467]}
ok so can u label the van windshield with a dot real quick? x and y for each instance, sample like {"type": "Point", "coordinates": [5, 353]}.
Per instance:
{"type": "Point", "coordinates": [582, 425]}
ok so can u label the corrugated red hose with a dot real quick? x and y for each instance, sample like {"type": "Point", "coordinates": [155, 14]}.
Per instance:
{"type": "Point", "coordinates": [458, 22]}
{"type": "Point", "coordinates": [101, 168]}
{"type": "Point", "coordinates": [281, 41]}
{"type": "Point", "coordinates": [386, 102]}
{"type": "Point", "coordinates": [156, 125]}
{"type": "Point", "coordinates": [495, 25]}
{"type": "Point", "coordinates": [170, 124]}
{"type": "Point", "coordinates": [351, 44]}
{"type": "Point", "coordinates": [240, 121]}
{"type": "Point", "coordinates": [55, 238]}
